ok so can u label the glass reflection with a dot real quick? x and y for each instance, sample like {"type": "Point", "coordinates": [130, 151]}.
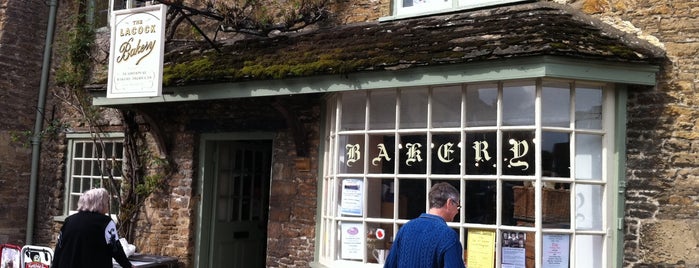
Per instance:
{"type": "Point", "coordinates": [481, 105]}
{"type": "Point", "coordinates": [555, 154]}
{"type": "Point", "coordinates": [382, 113]}
{"type": "Point", "coordinates": [588, 108]}
{"type": "Point", "coordinates": [446, 106]}
{"type": "Point", "coordinates": [479, 203]}
{"type": "Point", "coordinates": [413, 108]}
{"type": "Point", "coordinates": [518, 104]}
{"type": "Point", "coordinates": [555, 104]}
{"type": "Point", "coordinates": [353, 111]}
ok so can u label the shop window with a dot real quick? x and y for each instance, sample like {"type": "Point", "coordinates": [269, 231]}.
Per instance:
{"type": "Point", "coordinates": [93, 163]}
{"type": "Point", "coordinates": [527, 156]}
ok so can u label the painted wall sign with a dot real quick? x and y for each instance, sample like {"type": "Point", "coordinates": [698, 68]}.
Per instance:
{"type": "Point", "coordinates": [136, 52]}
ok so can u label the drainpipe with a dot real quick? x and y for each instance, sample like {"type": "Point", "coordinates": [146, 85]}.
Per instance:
{"type": "Point", "coordinates": [38, 126]}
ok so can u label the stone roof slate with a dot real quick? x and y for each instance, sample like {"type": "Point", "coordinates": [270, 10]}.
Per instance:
{"type": "Point", "coordinates": [533, 29]}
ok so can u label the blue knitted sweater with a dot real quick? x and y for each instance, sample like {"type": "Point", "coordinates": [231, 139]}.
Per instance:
{"type": "Point", "coordinates": [426, 242]}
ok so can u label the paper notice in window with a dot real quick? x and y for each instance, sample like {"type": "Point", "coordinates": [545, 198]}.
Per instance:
{"type": "Point", "coordinates": [481, 249]}
{"type": "Point", "coordinates": [352, 242]}
{"type": "Point", "coordinates": [351, 202]}
{"type": "Point", "coordinates": [556, 249]}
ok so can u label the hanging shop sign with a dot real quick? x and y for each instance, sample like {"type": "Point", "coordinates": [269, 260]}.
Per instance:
{"type": "Point", "coordinates": [136, 52]}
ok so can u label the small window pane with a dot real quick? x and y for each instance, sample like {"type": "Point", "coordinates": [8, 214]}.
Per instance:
{"type": "Point", "coordinates": [382, 154]}
{"type": "Point", "coordinates": [412, 193]}
{"type": "Point", "coordinates": [89, 152]}
{"type": "Point", "coordinates": [353, 111]}
{"type": "Point", "coordinates": [518, 153]}
{"type": "Point", "coordinates": [446, 107]}
{"type": "Point", "coordinates": [382, 114]}
{"type": "Point", "coordinates": [556, 250]}
{"type": "Point", "coordinates": [351, 157]}
{"type": "Point", "coordinates": [518, 104]}
{"type": "Point", "coordinates": [556, 206]}
{"type": "Point", "coordinates": [413, 108]}
{"type": "Point", "coordinates": [78, 151]}
{"type": "Point", "coordinates": [555, 154]}
{"type": "Point", "coordinates": [555, 104]}
{"type": "Point", "coordinates": [412, 156]}
{"type": "Point", "coordinates": [446, 154]}
{"type": "Point", "coordinates": [588, 108]}
{"type": "Point", "coordinates": [481, 105]}
{"type": "Point", "coordinates": [517, 203]}
{"type": "Point", "coordinates": [588, 157]}
{"type": "Point", "coordinates": [481, 153]}
{"type": "Point", "coordinates": [588, 207]}
{"type": "Point", "coordinates": [589, 251]}
{"type": "Point", "coordinates": [479, 204]}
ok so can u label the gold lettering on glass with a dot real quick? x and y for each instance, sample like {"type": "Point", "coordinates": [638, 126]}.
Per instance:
{"type": "Point", "coordinates": [414, 154]}
{"type": "Point", "coordinates": [481, 149]}
{"type": "Point", "coordinates": [353, 153]}
{"type": "Point", "coordinates": [382, 154]}
{"type": "Point", "coordinates": [519, 149]}
{"type": "Point", "coordinates": [445, 152]}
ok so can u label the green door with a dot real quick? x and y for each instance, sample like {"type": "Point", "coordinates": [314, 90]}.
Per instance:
{"type": "Point", "coordinates": [240, 203]}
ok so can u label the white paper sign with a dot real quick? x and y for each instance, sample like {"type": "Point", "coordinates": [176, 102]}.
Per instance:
{"type": "Point", "coordinates": [556, 249]}
{"type": "Point", "coordinates": [352, 200]}
{"type": "Point", "coordinates": [352, 242]}
{"type": "Point", "coordinates": [136, 52]}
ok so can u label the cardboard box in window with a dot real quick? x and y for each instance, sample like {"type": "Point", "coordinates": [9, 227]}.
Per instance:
{"type": "Point", "coordinates": [555, 204]}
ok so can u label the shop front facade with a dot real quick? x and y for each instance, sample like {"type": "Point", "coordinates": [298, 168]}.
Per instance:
{"type": "Point", "coordinates": [321, 163]}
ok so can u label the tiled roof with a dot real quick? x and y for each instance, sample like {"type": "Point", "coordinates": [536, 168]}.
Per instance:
{"type": "Point", "coordinates": [532, 29]}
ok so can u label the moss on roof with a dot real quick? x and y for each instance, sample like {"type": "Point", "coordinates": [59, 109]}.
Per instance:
{"type": "Point", "coordinates": [541, 28]}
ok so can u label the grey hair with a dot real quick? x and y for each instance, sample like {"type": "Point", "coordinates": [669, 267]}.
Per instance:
{"type": "Point", "coordinates": [94, 200]}
{"type": "Point", "coordinates": [440, 193]}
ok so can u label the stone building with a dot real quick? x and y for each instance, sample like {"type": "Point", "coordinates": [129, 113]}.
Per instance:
{"type": "Point", "coordinates": [22, 39]}
{"type": "Point", "coordinates": [565, 121]}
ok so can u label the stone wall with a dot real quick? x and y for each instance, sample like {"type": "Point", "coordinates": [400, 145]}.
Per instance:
{"type": "Point", "coordinates": [166, 225]}
{"type": "Point", "coordinates": [662, 215]}
{"type": "Point", "coordinates": [22, 38]}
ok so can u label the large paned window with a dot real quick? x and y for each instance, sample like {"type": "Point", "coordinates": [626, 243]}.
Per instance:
{"type": "Point", "coordinates": [90, 165]}
{"type": "Point", "coordinates": [529, 158]}
{"type": "Point", "coordinates": [422, 7]}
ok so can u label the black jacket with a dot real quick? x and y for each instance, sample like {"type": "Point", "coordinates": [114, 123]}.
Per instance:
{"type": "Point", "coordinates": [82, 243]}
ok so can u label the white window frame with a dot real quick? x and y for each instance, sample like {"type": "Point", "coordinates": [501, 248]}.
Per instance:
{"type": "Point", "coordinates": [93, 12]}
{"type": "Point", "coordinates": [428, 8]}
{"type": "Point", "coordinates": [71, 194]}
{"type": "Point", "coordinates": [328, 244]}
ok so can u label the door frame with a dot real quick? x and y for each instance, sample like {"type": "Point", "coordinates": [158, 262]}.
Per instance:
{"type": "Point", "coordinates": [205, 185]}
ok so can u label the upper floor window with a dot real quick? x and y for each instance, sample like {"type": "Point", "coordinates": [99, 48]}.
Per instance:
{"type": "Point", "coordinates": [93, 164]}
{"type": "Point", "coordinates": [407, 8]}
{"type": "Point", "coordinates": [99, 11]}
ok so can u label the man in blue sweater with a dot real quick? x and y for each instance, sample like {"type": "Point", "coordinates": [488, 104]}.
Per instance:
{"type": "Point", "coordinates": [427, 241]}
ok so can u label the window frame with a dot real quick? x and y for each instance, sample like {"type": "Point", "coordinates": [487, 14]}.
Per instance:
{"type": "Point", "coordinates": [328, 245]}
{"type": "Point", "coordinates": [69, 177]}
{"type": "Point", "coordinates": [399, 12]}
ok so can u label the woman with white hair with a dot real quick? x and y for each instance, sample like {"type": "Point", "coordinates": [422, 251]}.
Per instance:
{"type": "Point", "coordinates": [89, 238]}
